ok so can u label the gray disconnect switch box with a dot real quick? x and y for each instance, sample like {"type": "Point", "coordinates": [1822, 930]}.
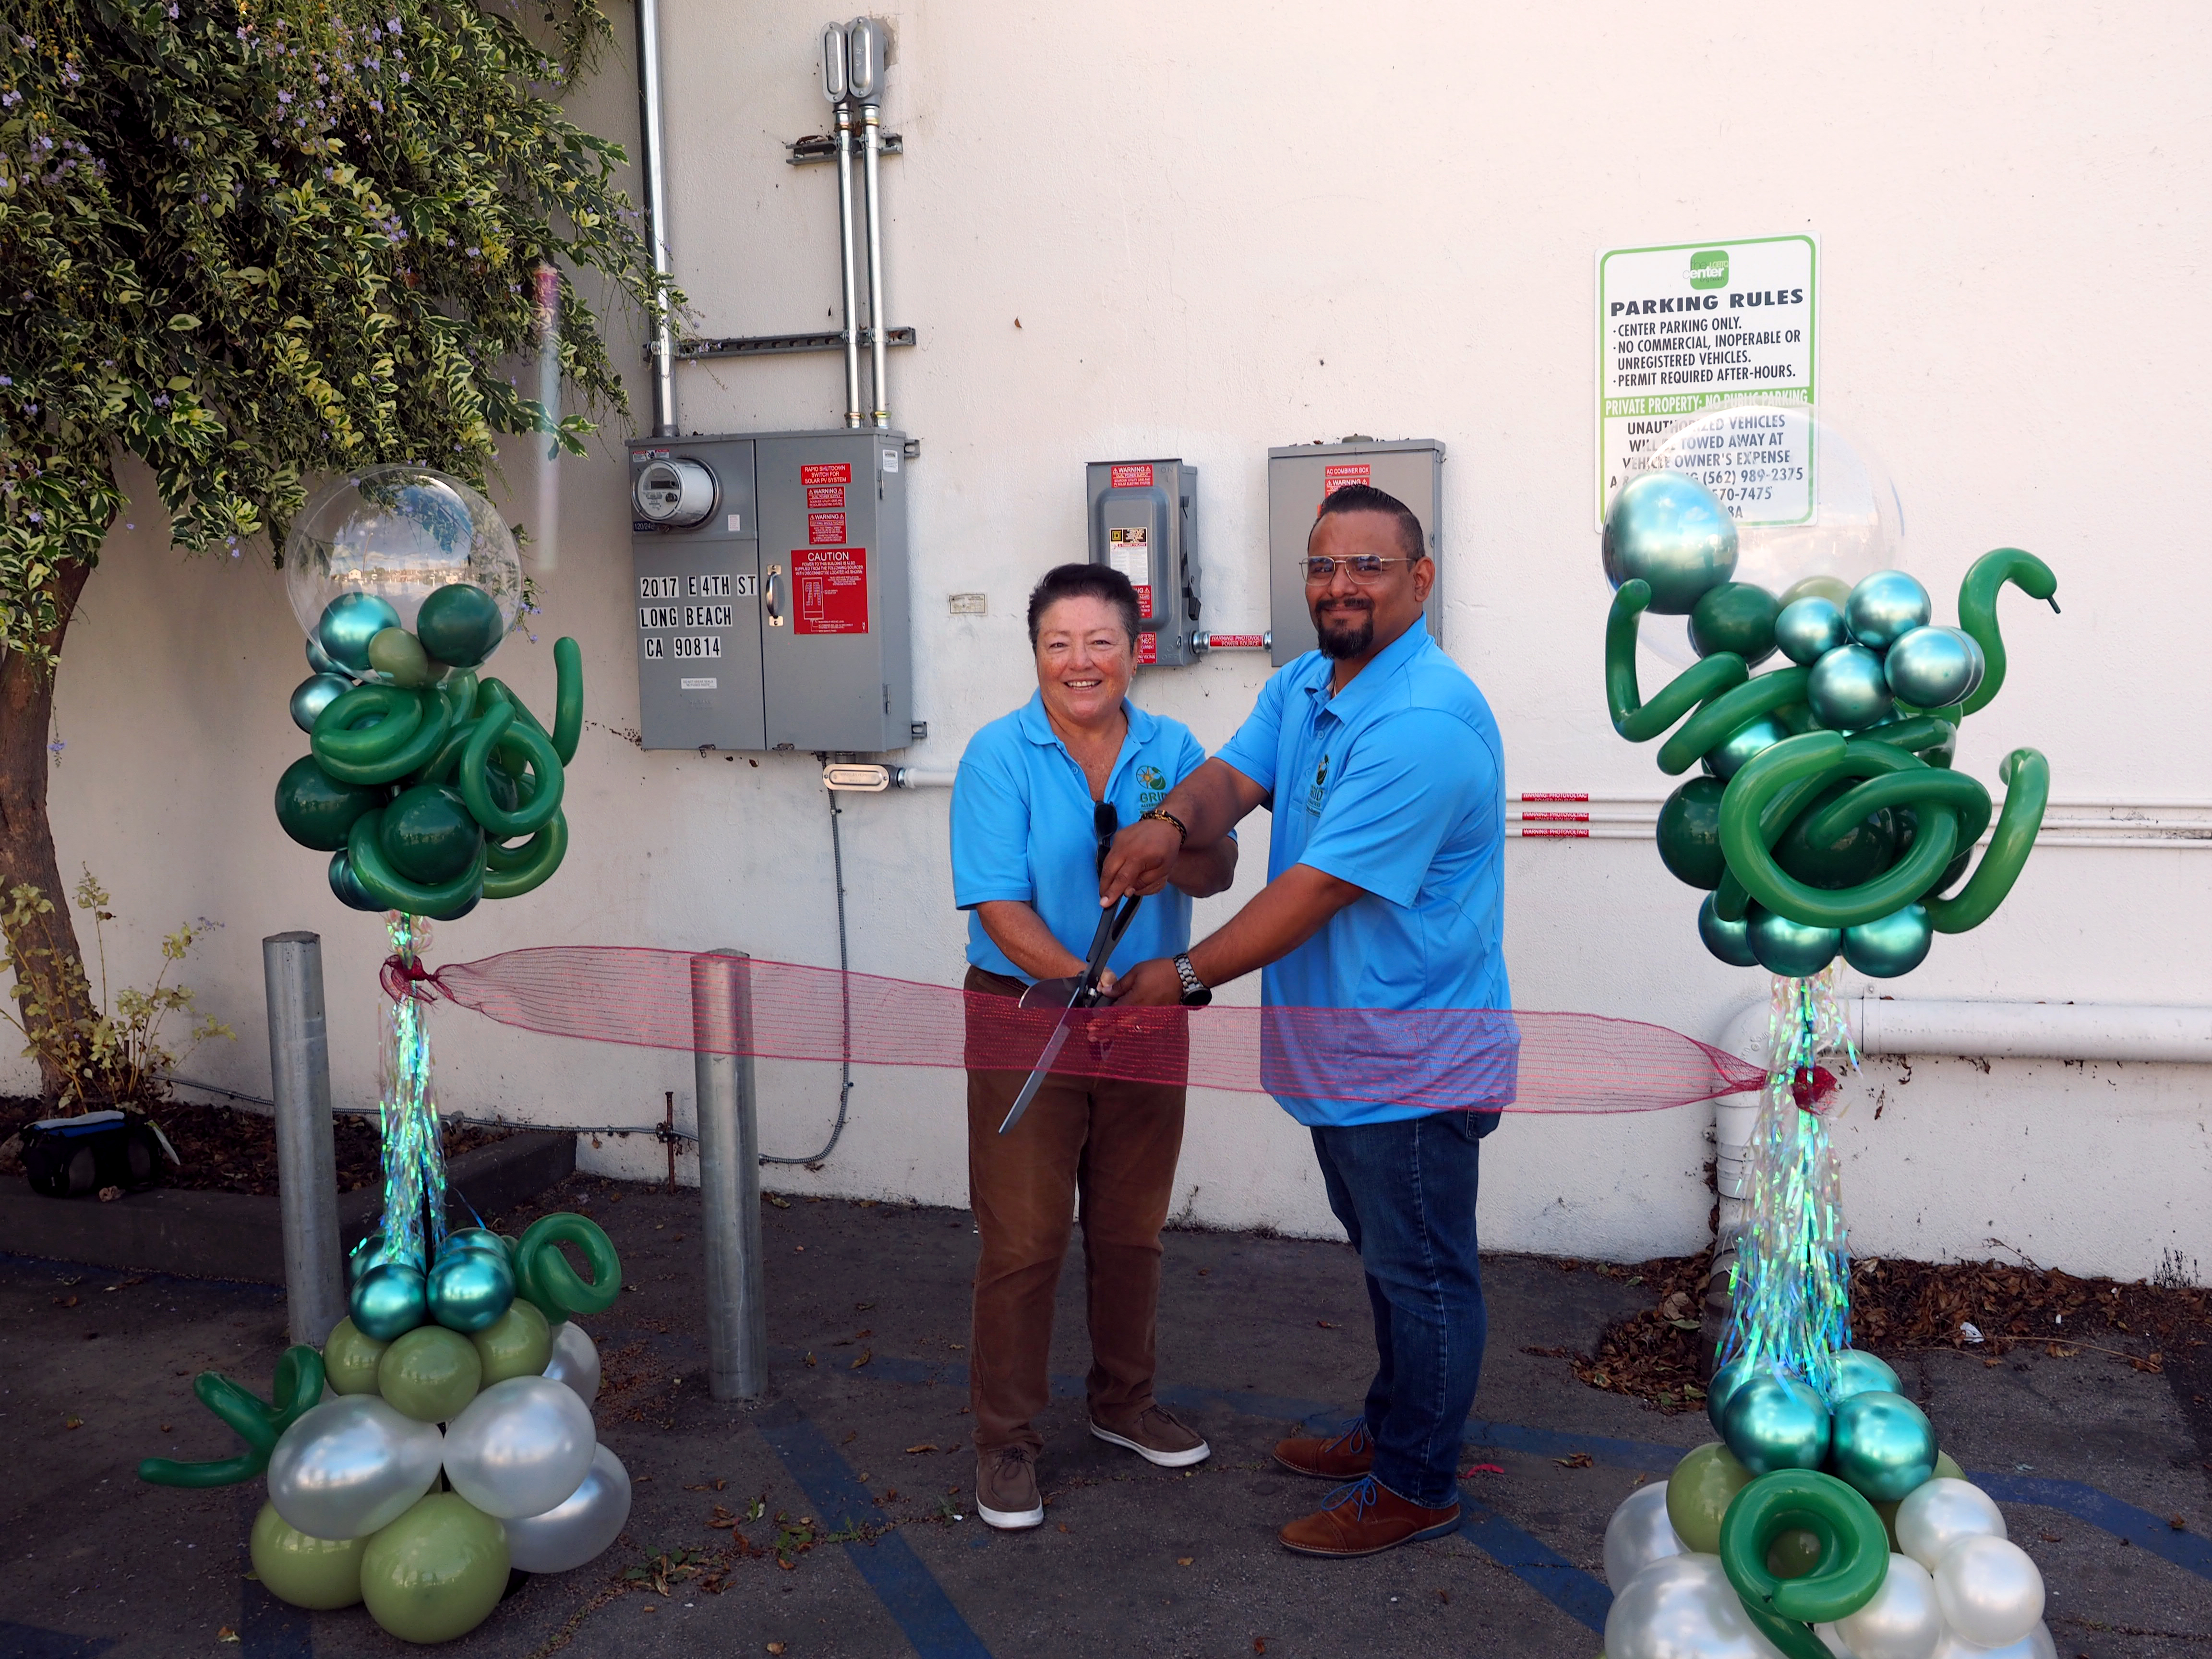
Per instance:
{"type": "Point", "coordinates": [772, 590]}
{"type": "Point", "coordinates": [1301, 476]}
{"type": "Point", "coordinates": [1143, 520]}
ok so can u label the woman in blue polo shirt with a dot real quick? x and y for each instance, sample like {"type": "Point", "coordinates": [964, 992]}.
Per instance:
{"type": "Point", "coordinates": [1039, 795]}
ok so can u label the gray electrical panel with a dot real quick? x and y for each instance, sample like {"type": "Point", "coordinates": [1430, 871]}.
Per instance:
{"type": "Point", "coordinates": [1300, 478]}
{"type": "Point", "coordinates": [1143, 521]}
{"type": "Point", "coordinates": [772, 590]}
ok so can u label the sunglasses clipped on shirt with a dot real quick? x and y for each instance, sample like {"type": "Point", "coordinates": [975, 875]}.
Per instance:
{"type": "Point", "coordinates": [1366, 569]}
{"type": "Point", "coordinates": [1105, 821]}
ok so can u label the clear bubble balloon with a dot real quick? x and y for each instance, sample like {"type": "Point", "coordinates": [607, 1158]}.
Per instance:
{"type": "Point", "coordinates": [1937, 1514]}
{"type": "Point", "coordinates": [1903, 1620]}
{"type": "Point", "coordinates": [574, 1530]}
{"type": "Point", "coordinates": [521, 1446]}
{"type": "Point", "coordinates": [1682, 1607]}
{"type": "Point", "coordinates": [400, 534]}
{"type": "Point", "coordinates": [1989, 1590]}
{"type": "Point", "coordinates": [1808, 502]}
{"type": "Point", "coordinates": [576, 1361]}
{"type": "Point", "coordinates": [1638, 1535]}
{"type": "Point", "coordinates": [351, 1466]}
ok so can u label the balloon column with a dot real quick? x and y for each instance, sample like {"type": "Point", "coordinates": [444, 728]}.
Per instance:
{"type": "Point", "coordinates": [431, 790]}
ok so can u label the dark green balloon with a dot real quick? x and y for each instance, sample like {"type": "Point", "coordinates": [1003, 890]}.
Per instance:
{"type": "Point", "coordinates": [347, 886]}
{"type": "Point", "coordinates": [428, 835]}
{"type": "Point", "coordinates": [460, 624]}
{"type": "Point", "coordinates": [1862, 851]}
{"type": "Point", "coordinates": [1690, 833]}
{"type": "Point", "coordinates": [1795, 949]}
{"type": "Point", "coordinates": [315, 809]}
{"type": "Point", "coordinates": [1729, 940]}
{"type": "Point", "coordinates": [1737, 616]}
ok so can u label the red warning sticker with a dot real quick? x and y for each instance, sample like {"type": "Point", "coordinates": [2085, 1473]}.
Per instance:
{"type": "Point", "coordinates": [1137, 475]}
{"type": "Point", "coordinates": [825, 528]}
{"type": "Point", "coordinates": [826, 472]}
{"type": "Point", "coordinates": [1148, 646]}
{"type": "Point", "coordinates": [820, 497]}
{"type": "Point", "coordinates": [831, 586]}
{"type": "Point", "coordinates": [1334, 478]}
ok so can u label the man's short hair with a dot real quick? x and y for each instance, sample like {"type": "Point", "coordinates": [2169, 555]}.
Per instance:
{"type": "Point", "coordinates": [1365, 498]}
{"type": "Point", "coordinates": [1069, 581]}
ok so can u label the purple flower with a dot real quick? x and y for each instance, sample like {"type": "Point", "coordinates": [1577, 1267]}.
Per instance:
{"type": "Point", "coordinates": [393, 25]}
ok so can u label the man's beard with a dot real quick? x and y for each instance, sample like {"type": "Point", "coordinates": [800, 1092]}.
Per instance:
{"type": "Point", "coordinates": [1342, 638]}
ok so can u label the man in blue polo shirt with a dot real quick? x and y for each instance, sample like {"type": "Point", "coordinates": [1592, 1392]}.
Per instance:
{"type": "Point", "coordinates": [1382, 766]}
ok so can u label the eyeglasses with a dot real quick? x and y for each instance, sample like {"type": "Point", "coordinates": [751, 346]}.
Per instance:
{"type": "Point", "coordinates": [1366, 569]}
{"type": "Point", "coordinates": [1104, 821]}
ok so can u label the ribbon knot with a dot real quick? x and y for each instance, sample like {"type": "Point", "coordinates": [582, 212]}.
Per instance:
{"type": "Point", "coordinates": [403, 977]}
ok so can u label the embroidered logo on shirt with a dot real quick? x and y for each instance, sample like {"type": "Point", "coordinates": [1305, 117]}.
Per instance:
{"type": "Point", "coordinates": [1320, 782]}
{"type": "Point", "coordinates": [1155, 789]}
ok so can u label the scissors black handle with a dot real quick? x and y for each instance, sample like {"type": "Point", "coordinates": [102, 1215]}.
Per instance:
{"type": "Point", "coordinates": [1113, 923]}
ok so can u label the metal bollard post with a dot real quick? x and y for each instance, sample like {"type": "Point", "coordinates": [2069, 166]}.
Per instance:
{"type": "Point", "coordinates": [729, 1174]}
{"type": "Point", "coordinates": [306, 1165]}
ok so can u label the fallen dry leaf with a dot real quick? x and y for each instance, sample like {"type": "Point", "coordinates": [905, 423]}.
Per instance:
{"type": "Point", "coordinates": [926, 1446]}
{"type": "Point", "coordinates": [1325, 1325]}
{"type": "Point", "coordinates": [776, 1647]}
{"type": "Point", "coordinates": [1574, 1461]}
{"type": "Point", "coordinates": [1184, 1561]}
{"type": "Point", "coordinates": [867, 1354]}
{"type": "Point", "coordinates": [225, 1633]}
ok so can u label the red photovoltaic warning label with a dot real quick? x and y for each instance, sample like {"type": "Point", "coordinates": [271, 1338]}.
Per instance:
{"type": "Point", "coordinates": [1237, 641]}
{"type": "Point", "coordinates": [1148, 646]}
{"type": "Point", "coordinates": [830, 585]}
{"type": "Point", "coordinates": [1334, 478]}
{"type": "Point", "coordinates": [1137, 475]}
{"type": "Point", "coordinates": [1554, 796]}
{"type": "Point", "coordinates": [1553, 831]}
{"type": "Point", "coordinates": [826, 472]}
{"type": "Point", "coordinates": [822, 496]}
{"type": "Point", "coordinates": [825, 528]}
{"type": "Point", "coordinates": [1555, 817]}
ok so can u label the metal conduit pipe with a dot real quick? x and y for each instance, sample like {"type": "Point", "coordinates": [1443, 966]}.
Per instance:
{"type": "Point", "coordinates": [835, 86]}
{"type": "Point", "coordinates": [869, 58]}
{"type": "Point", "coordinates": [656, 209]}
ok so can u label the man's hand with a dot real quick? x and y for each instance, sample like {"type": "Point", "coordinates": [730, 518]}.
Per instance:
{"type": "Point", "coordinates": [1139, 860]}
{"type": "Point", "coordinates": [1153, 984]}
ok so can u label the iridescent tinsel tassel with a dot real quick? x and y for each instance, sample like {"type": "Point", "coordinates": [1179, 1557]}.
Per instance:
{"type": "Point", "coordinates": [414, 1153]}
{"type": "Point", "coordinates": [1791, 1286]}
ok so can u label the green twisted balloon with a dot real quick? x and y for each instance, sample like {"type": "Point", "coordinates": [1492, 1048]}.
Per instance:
{"type": "Point", "coordinates": [1854, 1555]}
{"type": "Point", "coordinates": [2026, 777]}
{"type": "Point", "coordinates": [543, 1275]}
{"type": "Point", "coordinates": [298, 1389]}
{"type": "Point", "coordinates": [1977, 610]}
{"type": "Point", "coordinates": [1634, 719]}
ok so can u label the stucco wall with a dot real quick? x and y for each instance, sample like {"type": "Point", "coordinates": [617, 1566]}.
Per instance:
{"type": "Point", "coordinates": [1221, 229]}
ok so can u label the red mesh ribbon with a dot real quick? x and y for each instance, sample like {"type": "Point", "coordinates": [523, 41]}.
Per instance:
{"type": "Point", "coordinates": [1457, 1059]}
{"type": "Point", "coordinates": [402, 979]}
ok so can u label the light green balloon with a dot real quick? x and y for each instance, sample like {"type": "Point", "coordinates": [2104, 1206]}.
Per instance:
{"type": "Point", "coordinates": [1793, 1554]}
{"type": "Point", "coordinates": [1698, 1492]}
{"type": "Point", "coordinates": [430, 1373]}
{"type": "Point", "coordinates": [517, 1344]}
{"type": "Point", "coordinates": [1946, 1469]}
{"type": "Point", "coordinates": [321, 1573]}
{"type": "Point", "coordinates": [399, 654]}
{"type": "Point", "coordinates": [349, 1360]}
{"type": "Point", "coordinates": [437, 1571]}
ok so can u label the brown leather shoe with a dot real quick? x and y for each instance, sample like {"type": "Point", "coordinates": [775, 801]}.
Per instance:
{"type": "Point", "coordinates": [1159, 1435]}
{"type": "Point", "coordinates": [1345, 1455]}
{"type": "Point", "coordinates": [1007, 1489]}
{"type": "Point", "coordinates": [1365, 1518]}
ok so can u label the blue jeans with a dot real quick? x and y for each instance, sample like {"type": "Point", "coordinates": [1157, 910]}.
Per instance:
{"type": "Point", "coordinates": [1405, 1193]}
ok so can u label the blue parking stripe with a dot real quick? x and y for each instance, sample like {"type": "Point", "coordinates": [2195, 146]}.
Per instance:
{"type": "Point", "coordinates": [887, 1564]}
{"type": "Point", "coordinates": [1579, 1595]}
{"type": "Point", "coordinates": [2099, 1508]}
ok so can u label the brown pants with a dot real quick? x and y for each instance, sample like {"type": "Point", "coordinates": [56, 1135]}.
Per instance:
{"type": "Point", "coordinates": [1113, 1146]}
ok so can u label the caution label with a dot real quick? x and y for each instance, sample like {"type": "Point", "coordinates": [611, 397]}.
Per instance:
{"type": "Point", "coordinates": [826, 472]}
{"type": "Point", "coordinates": [831, 586]}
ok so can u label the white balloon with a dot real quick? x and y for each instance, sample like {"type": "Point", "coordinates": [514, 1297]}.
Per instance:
{"type": "Point", "coordinates": [520, 1447]}
{"type": "Point", "coordinates": [576, 1361]}
{"type": "Point", "coordinates": [352, 1466]}
{"type": "Point", "coordinates": [1903, 1621]}
{"type": "Point", "coordinates": [1991, 1592]}
{"type": "Point", "coordinates": [572, 1532]}
{"type": "Point", "coordinates": [1836, 1644]}
{"type": "Point", "coordinates": [2036, 1644]}
{"type": "Point", "coordinates": [1682, 1607]}
{"type": "Point", "coordinates": [1936, 1514]}
{"type": "Point", "coordinates": [1638, 1535]}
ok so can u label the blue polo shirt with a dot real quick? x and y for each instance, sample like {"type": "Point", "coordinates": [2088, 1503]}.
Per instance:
{"type": "Point", "coordinates": [1023, 829]}
{"type": "Point", "coordinates": [1396, 784]}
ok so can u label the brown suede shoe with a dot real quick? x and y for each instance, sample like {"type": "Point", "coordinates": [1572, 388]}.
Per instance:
{"type": "Point", "coordinates": [1007, 1489]}
{"type": "Point", "coordinates": [1159, 1435]}
{"type": "Point", "coordinates": [1365, 1518]}
{"type": "Point", "coordinates": [1345, 1455]}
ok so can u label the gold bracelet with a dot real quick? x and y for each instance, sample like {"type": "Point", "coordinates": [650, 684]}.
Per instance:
{"type": "Point", "coordinates": [1160, 813]}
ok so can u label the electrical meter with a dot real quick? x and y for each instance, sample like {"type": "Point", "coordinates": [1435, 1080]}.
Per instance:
{"type": "Point", "coordinates": [1302, 477]}
{"type": "Point", "coordinates": [1143, 518]}
{"type": "Point", "coordinates": [777, 616]}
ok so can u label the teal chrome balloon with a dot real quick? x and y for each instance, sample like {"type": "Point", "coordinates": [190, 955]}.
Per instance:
{"type": "Point", "coordinates": [1665, 529]}
{"type": "Point", "coordinates": [1848, 689]}
{"type": "Point", "coordinates": [1740, 744]}
{"type": "Point", "coordinates": [389, 1301]}
{"type": "Point", "coordinates": [1881, 1444]}
{"type": "Point", "coordinates": [1792, 949]}
{"type": "Point", "coordinates": [1896, 944]}
{"type": "Point", "coordinates": [474, 1238]}
{"type": "Point", "coordinates": [1775, 1423]}
{"type": "Point", "coordinates": [363, 1256]}
{"type": "Point", "coordinates": [345, 886]}
{"type": "Point", "coordinates": [1858, 1372]}
{"type": "Point", "coordinates": [321, 661]}
{"type": "Point", "coordinates": [1931, 667]}
{"type": "Point", "coordinates": [1729, 940]}
{"type": "Point", "coordinates": [349, 623]}
{"type": "Point", "coordinates": [1726, 1381]}
{"type": "Point", "coordinates": [1886, 607]}
{"type": "Point", "coordinates": [469, 1289]}
{"type": "Point", "coordinates": [460, 624]}
{"type": "Point", "coordinates": [315, 694]}
{"type": "Point", "coordinates": [1808, 628]}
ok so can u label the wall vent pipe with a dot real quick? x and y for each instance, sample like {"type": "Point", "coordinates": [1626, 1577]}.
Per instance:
{"type": "Point", "coordinates": [663, 347]}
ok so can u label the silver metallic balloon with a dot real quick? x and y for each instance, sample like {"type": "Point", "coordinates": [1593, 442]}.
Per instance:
{"type": "Point", "coordinates": [1981, 663]}
{"type": "Point", "coordinates": [1991, 1592]}
{"type": "Point", "coordinates": [1931, 667]}
{"type": "Point", "coordinates": [1892, 945]}
{"type": "Point", "coordinates": [1725, 761]}
{"type": "Point", "coordinates": [351, 1466]}
{"type": "Point", "coordinates": [576, 1361]}
{"type": "Point", "coordinates": [1884, 607]}
{"type": "Point", "coordinates": [1936, 1514]}
{"type": "Point", "coordinates": [1681, 1607]}
{"type": "Point", "coordinates": [520, 1447]}
{"type": "Point", "coordinates": [1795, 949]}
{"type": "Point", "coordinates": [1638, 1535]}
{"type": "Point", "coordinates": [1848, 689]}
{"type": "Point", "coordinates": [592, 1517]}
{"type": "Point", "coordinates": [314, 694]}
{"type": "Point", "coordinates": [1903, 1620]}
{"type": "Point", "coordinates": [1665, 528]}
{"type": "Point", "coordinates": [1808, 628]}
{"type": "Point", "coordinates": [1857, 1370]}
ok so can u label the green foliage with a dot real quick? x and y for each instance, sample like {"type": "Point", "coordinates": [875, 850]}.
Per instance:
{"type": "Point", "coordinates": [256, 240]}
{"type": "Point", "coordinates": [114, 1052]}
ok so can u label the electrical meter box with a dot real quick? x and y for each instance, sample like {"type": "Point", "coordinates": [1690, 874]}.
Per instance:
{"type": "Point", "coordinates": [1301, 478]}
{"type": "Point", "coordinates": [771, 587]}
{"type": "Point", "coordinates": [1143, 519]}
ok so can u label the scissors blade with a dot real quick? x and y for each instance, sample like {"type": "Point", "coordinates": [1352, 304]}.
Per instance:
{"type": "Point", "coordinates": [1053, 1044]}
{"type": "Point", "coordinates": [1112, 924]}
